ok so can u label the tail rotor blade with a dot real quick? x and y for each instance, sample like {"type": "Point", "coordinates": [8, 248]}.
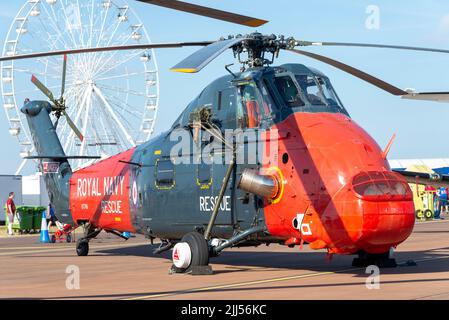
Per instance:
{"type": "Point", "coordinates": [73, 126]}
{"type": "Point", "coordinates": [64, 71]}
{"type": "Point", "coordinates": [43, 88]}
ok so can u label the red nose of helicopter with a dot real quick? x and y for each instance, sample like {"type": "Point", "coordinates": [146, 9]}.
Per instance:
{"type": "Point", "coordinates": [385, 212]}
{"type": "Point", "coordinates": [388, 211]}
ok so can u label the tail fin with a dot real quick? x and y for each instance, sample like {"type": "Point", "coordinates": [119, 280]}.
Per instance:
{"type": "Point", "coordinates": [47, 144]}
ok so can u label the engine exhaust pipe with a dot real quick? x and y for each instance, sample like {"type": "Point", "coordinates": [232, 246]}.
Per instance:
{"type": "Point", "coordinates": [266, 186]}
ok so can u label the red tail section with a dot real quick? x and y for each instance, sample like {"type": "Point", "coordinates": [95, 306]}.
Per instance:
{"type": "Point", "coordinates": [100, 193]}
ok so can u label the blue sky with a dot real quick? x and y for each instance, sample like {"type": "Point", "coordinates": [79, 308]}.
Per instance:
{"type": "Point", "coordinates": [421, 127]}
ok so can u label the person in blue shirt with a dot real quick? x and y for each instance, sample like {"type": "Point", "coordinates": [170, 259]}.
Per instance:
{"type": "Point", "coordinates": [51, 218]}
{"type": "Point", "coordinates": [443, 200]}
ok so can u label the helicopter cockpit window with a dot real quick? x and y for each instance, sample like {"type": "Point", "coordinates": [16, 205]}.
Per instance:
{"type": "Point", "coordinates": [318, 90]}
{"type": "Point", "coordinates": [289, 91]}
{"type": "Point", "coordinates": [328, 92]}
{"type": "Point", "coordinates": [253, 107]}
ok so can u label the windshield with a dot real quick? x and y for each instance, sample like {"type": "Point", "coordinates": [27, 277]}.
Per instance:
{"type": "Point", "coordinates": [311, 93]}
{"type": "Point", "coordinates": [319, 91]}
{"type": "Point", "coordinates": [289, 91]}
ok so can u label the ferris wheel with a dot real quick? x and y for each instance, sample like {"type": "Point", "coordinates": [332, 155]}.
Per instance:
{"type": "Point", "coordinates": [112, 97]}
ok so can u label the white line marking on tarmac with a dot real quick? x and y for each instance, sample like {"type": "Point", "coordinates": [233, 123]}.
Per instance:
{"type": "Point", "coordinates": [248, 283]}
{"type": "Point", "coordinates": [47, 249]}
{"type": "Point", "coordinates": [241, 284]}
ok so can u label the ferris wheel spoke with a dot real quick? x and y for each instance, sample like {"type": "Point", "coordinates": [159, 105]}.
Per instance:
{"type": "Point", "coordinates": [130, 109]}
{"type": "Point", "coordinates": [127, 38]}
{"type": "Point", "coordinates": [114, 116]}
{"type": "Point", "coordinates": [35, 90]}
{"type": "Point", "coordinates": [81, 107]}
{"type": "Point", "coordinates": [91, 23]}
{"type": "Point", "coordinates": [69, 25]}
{"type": "Point", "coordinates": [118, 89]}
{"type": "Point", "coordinates": [57, 27]}
{"type": "Point", "coordinates": [123, 75]}
{"type": "Point", "coordinates": [51, 23]}
{"type": "Point", "coordinates": [81, 33]}
{"type": "Point", "coordinates": [37, 73]}
{"type": "Point", "coordinates": [119, 63]}
{"type": "Point", "coordinates": [113, 54]}
{"type": "Point", "coordinates": [85, 124]}
{"type": "Point", "coordinates": [106, 12]}
{"type": "Point", "coordinates": [116, 25]}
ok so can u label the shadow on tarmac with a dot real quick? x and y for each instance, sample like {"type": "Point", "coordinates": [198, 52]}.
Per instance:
{"type": "Point", "coordinates": [434, 261]}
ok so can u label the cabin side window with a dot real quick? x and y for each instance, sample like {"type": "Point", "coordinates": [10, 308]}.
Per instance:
{"type": "Point", "coordinates": [204, 175]}
{"type": "Point", "coordinates": [164, 174]}
{"type": "Point", "coordinates": [225, 99]}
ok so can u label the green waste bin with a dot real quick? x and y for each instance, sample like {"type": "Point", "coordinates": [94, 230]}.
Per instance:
{"type": "Point", "coordinates": [37, 217]}
{"type": "Point", "coordinates": [23, 219]}
{"type": "Point", "coordinates": [27, 218]}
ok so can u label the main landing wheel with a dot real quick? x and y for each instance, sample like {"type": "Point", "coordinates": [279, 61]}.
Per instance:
{"type": "Point", "coordinates": [190, 253]}
{"type": "Point", "coordinates": [82, 247]}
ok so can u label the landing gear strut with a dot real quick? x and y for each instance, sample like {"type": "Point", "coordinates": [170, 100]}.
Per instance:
{"type": "Point", "coordinates": [383, 260]}
{"type": "Point", "coordinates": [82, 245]}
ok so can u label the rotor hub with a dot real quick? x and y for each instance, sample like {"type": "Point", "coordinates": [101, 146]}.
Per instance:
{"type": "Point", "coordinates": [258, 47]}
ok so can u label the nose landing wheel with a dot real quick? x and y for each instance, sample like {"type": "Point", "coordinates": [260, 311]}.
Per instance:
{"type": "Point", "coordinates": [82, 247]}
{"type": "Point", "coordinates": [191, 255]}
{"type": "Point", "coordinates": [383, 260]}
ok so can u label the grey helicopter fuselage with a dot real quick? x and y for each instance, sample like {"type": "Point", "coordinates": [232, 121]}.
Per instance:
{"type": "Point", "coordinates": [170, 185]}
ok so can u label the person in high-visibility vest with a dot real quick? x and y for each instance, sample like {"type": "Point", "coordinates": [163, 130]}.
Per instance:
{"type": "Point", "coordinates": [10, 211]}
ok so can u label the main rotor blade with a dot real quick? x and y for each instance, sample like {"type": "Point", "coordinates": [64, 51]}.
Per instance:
{"type": "Point", "coordinates": [369, 45]}
{"type": "Point", "coordinates": [355, 72]}
{"type": "Point", "coordinates": [56, 123]}
{"type": "Point", "coordinates": [102, 49]}
{"type": "Point", "coordinates": [201, 58]}
{"type": "Point", "coordinates": [43, 88]}
{"type": "Point", "coordinates": [64, 72]}
{"type": "Point", "coordinates": [428, 96]}
{"type": "Point", "coordinates": [208, 12]}
{"type": "Point", "coordinates": [73, 126]}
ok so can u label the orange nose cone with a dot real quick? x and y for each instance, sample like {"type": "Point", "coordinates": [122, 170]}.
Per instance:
{"type": "Point", "coordinates": [391, 225]}
{"type": "Point", "coordinates": [388, 210]}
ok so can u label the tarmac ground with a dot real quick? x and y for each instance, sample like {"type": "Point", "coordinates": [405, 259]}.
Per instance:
{"type": "Point", "coordinates": [118, 269]}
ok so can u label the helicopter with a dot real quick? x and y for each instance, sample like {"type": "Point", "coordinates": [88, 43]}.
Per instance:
{"type": "Point", "coordinates": [266, 155]}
